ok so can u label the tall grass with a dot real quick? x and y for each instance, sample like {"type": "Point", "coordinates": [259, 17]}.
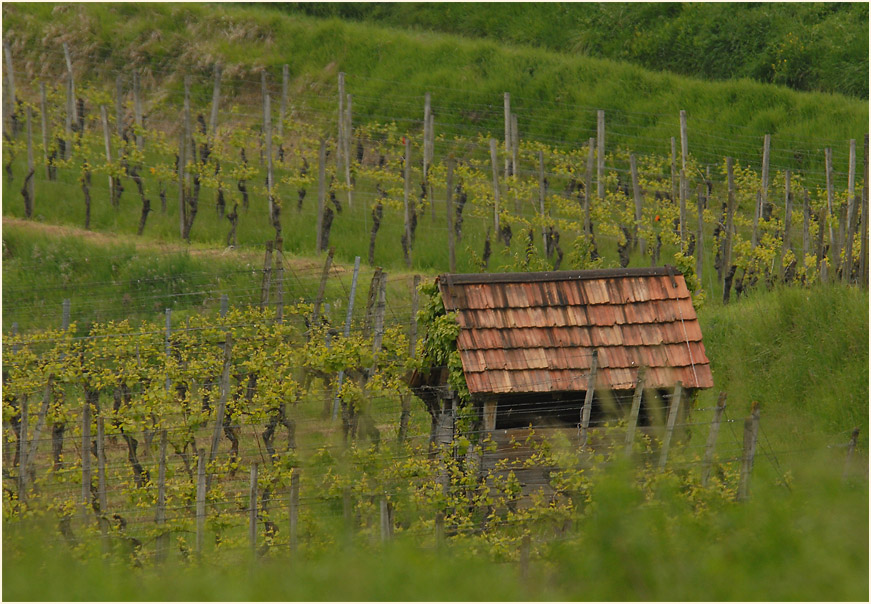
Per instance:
{"type": "Point", "coordinates": [801, 353]}
{"type": "Point", "coordinates": [555, 96]}
{"type": "Point", "coordinates": [819, 46]}
{"type": "Point", "coordinates": [811, 544]}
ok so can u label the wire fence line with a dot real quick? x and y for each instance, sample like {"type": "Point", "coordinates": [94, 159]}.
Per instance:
{"type": "Point", "coordinates": [772, 226]}
{"type": "Point", "coordinates": [292, 435]}
{"type": "Point", "coordinates": [317, 504]}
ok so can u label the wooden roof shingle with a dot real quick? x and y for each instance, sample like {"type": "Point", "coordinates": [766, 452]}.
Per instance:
{"type": "Point", "coordinates": [535, 332]}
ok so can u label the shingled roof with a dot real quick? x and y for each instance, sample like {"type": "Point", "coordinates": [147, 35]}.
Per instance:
{"type": "Point", "coordinates": [535, 332]}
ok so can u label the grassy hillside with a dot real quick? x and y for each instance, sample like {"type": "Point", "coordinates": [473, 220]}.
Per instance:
{"type": "Point", "coordinates": [806, 46]}
{"type": "Point", "coordinates": [801, 353]}
{"type": "Point", "coordinates": [554, 95]}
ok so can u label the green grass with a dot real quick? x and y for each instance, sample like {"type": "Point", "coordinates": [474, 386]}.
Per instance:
{"type": "Point", "coordinates": [810, 544]}
{"type": "Point", "coordinates": [819, 46]}
{"type": "Point", "coordinates": [801, 353]}
{"type": "Point", "coordinates": [555, 95]}
{"type": "Point", "coordinates": [109, 278]}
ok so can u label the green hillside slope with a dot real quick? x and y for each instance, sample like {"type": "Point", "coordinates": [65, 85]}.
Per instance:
{"type": "Point", "coordinates": [555, 96]}
{"type": "Point", "coordinates": [806, 46]}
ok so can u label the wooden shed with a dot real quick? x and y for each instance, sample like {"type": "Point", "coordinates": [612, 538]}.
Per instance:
{"type": "Point", "coordinates": [527, 341]}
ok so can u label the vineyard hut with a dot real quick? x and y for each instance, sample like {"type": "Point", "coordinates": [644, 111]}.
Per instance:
{"type": "Point", "coordinates": [527, 343]}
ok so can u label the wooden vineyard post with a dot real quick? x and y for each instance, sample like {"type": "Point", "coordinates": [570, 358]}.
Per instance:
{"type": "Point", "coordinates": [225, 304]}
{"type": "Point", "coordinates": [106, 140]}
{"type": "Point", "coordinates": [22, 452]}
{"type": "Point", "coordinates": [322, 160]}
{"type": "Point", "coordinates": [674, 192]}
{"type": "Point", "coordinates": [267, 276]}
{"type": "Point", "coordinates": [160, 518]}
{"type": "Point", "coordinates": [636, 407]}
{"type": "Point", "coordinates": [267, 135]}
{"type": "Point", "coordinates": [851, 447]}
{"type": "Point", "coordinates": [751, 431]}
{"type": "Point", "coordinates": [137, 111]}
{"type": "Point", "coordinates": [70, 113]}
{"type": "Point", "coordinates": [40, 423]}
{"type": "Point", "coordinates": [489, 415]}
{"type": "Point", "coordinates": [279, 280]}
{"type": "Point", "coordinates": [683, 211]}
{"type": "Point", "coordinates": [101, 484]}
{"type": "Point", "coordinates": [347, 510]}
{"type": "Point", "coordinates": [787, 222]}
{"type": "Point", "coordinates": [119, 111]}
{"type": "Point", "coordinates": [31, 174]}
{"type": "Point", "coordinates": [166, 344]}
{"type": "Point", "coordinates": [427, 107]}
{"type": "Point", "coordinates": [378, 328]}
{"type": "Point", "coordinates": [495, 186]}
{"type": "Point", "coordinates": [711, 444]}
{"type": "Point", "coordinates": [506, 106]}
{"type": "Point", "coordinates": [252, 510]}
{"type": "Point", "coordinates": [588, 398]}
{"type": "Point", "coordinates": [639, 200]}
{"type": "Point", "coordinates": [9, 100]}
{"type": "Point", "coordinates": [440, 529]}
{"type": "Point", "coordinates": [216, 102]}
{"type": "Point", "coordinates": [850, 228]}
{"type": "Point", "coordinates": [762, 196]}
{"type": "Point", "coordinates": [673, 408]}
{"type": "Point", "coordinates": [515, 144]}
{"type": "Point", "coordinates": [182, 161]}
{"type": "Point", "coordinates": [201, 502]}
{"type": "Point", "coordinates": [600, 154]}
{"type": "Point", "coordinates": [852, 215]}
{"type": "Point", "coordinates": [449, 202]}
{"type": "Point", "coordinates": [222, 402]}
{"type": "Point", "coordinates": [405, 399]}
{"type": "Point", "coordinates": [730, 212]}
{"type": "Point", "coordinates": [863, 255]}
{"type": "Point", "coordinates": [101, 465]}
{"type": "Point", "coordinates": [830, 194]}
{"type": "Point", "coordinates": [524, 557]}
{"type": "Point", "coordinates": [806, 233]}
{"type": "Point", "coordinates": [700, 234]}
{"type": "Point", "coordinates": [340, 142]}
{"type": "Point", "coordinates": [71, 81]}
{"type": "Point", "coordinates": [684, 152]}
{"type": "Point", "coordinates": [347, 331]}
{"type": "Point", "coordinates": [86, 456]}
{"type": "Point", "coordinates": [405, 193]}
{"type": "Point", "coordinates": [431, 146]}
{"type": "Point", "coordinates": [386, 514]}
{"type": "Point", "coordinates": [293, 510]}
{"type": "Point", "coordinates": [44, 112]}
{"type": "Point", "coordinates": [588, 186]}
{"type": "Point", "coordinates": [349, 129]}
{"type": "Point", "coordinates": [322, 287]}
{"type": "Point", "coordinates": [542, 193]}
{"type": "Point", "coordinates": [282, 106]}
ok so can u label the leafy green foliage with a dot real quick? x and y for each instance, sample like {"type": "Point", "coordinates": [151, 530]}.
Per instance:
{"type": "Point", "coordinates": [820, 46]}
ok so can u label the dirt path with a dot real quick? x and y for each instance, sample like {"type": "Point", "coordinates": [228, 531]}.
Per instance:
{"type": "Point", "coordinates": [243, 255]}
{"type": "Point", "coordinates": [240, 254]}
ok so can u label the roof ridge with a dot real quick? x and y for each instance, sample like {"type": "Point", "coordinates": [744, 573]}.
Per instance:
{"type": "Point", "coordinates": [571, 275]}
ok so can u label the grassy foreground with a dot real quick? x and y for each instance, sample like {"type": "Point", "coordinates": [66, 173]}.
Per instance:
{"type": "Point", "coordinates": [811, 544]}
